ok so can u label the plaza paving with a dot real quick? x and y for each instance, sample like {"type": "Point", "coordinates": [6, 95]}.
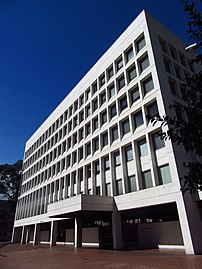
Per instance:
{"type": "Point", "coordinates": [16, 256]}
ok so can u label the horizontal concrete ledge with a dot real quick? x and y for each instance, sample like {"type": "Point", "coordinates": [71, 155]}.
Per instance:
{"type": "Point", "coordinates": [171, 247]}
{"type": "Point", "coordinates": [69, 243]}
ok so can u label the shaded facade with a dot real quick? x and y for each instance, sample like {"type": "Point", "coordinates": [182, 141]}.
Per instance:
{"type": "Point", "coordinates": [96, 171]}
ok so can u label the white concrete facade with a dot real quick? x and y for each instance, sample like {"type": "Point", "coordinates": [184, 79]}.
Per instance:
{"type": "Point", "coordinates": [98, 152]}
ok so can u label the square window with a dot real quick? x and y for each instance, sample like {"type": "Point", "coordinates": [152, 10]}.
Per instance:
{"type": "Point", "coordinates": [119, 64]}
{"type": "Point", "coordinates": [70, 110]}
{"type": "Point", "coordinates": [80, 153]}
{"type": "Point", "coordinates": [74, 157]}
{"type": "Point", "coordinates": [95, 144]}
{"type": "Point", "coordinates": [75, 105]}
{"type": "Point", "coordinates": [88, 149]}
{"type": "Point", "coordinates": [164, 174]}
{"type": "Point", "coordinates": [110, 72]}
{"type": "Point", "coordinates": [88, 171]}
{"type": "Point", "coordinates": [121, 82]}
{"type": "Point", "coordinates": [94, 87]}
{"type": "Point", "coordinates": [106, 163]}
{"type": "Point", "coordinates": [125, 126]}
{"type": "Point", "coordinates": [105, 139]}
{"type": "Point", "coordinates": [129, 153]}
{"type": "Point", "coordinates": [102, 98]}
{"type": "Point", "coordinates": [117, 158]}
{"type": "Point", "coordinates": [132, 183]}
{"type": "Point", "coordinates": [147, 179]}
{"type": "Point", "coordinates": [134, 94]}
{"type": "Point", "coordinates": [95, 124]}
{"type": "Point", "coordinates": [97, 167]}
{"type": "Point", "coordinates": [88, 129]}
{"type": "Point", "coordinates": [113, 111]}
{"type": "Point", "coordinates": [158, 141]}
{"type": "Point", "coordinates": [81, 100]}
{"type": "Point", "coordinates": [81, 134]}
{"type": "Point", "coordinates": [129, 54]}
{"type": "Point", "coordinates": [140, 43]}
{"type": "Point", "coordinates": [143, 63]}
{"type": "Point", "coordinates": [114, 133]}
{"type": "Point", "coordinates": [152, 111]}
{"type": "Point", "coordinates": [143, 150]}
{"type": "Point", "coordinates": [103, 117]}
{"type": "Point", "coordinates": [172, 86]}
{"type": "Point", "coordinates": [111, 91]}
{"type": "Point", "coordinates": [95, 104]}
{"type": "Point", "coordinates": [138, 119]}
{"type": "Point", "coordinates": [148, 85]}
{"type": "Point", "coordinates": [132, 73]}
{"type": "Point", "coordinates": [123, 103]}
{"type": "Point", "coordinates": [163, 45]}
{"type": "Point", "coordinates": [81, 116]}
{"type": "Point", "coordinates": [88, 111]}
{"type": "Point", "coordinates": [102, 80]}
{"type": "Point", "coordinates": [87, 94]}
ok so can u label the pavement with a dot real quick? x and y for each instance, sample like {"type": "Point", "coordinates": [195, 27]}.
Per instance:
{"type": "Point", "coordinates": [16, 256]}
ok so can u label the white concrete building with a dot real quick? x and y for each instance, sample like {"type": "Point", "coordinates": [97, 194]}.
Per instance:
{"type": "Point", "coordinates": [96, 171]}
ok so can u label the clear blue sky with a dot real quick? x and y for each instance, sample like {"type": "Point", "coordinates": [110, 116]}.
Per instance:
{"type": "Point", "coordinates": [47, 46]}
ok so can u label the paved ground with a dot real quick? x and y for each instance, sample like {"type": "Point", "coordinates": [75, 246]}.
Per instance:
{"type": "Point", "coordinates": [15, 256]}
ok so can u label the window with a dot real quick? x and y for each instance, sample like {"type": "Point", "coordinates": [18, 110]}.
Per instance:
{"type": "Point", "coordinates": [147, 179]}
{"type": "Point", "coordinates": [70, 110]}
{"type": "Point", "coordinates": [138, 119]}
{"type": "Point", "coordinates": [80, 153]}
{"type": "Point", "coordinates": [167, 65]}
{"type": "Point", "coordinates": [163, 45]}
{"type": "Point", "coordinates": [129, 54]}
{"type": "Point", "coordinates": [147, 85]}
{"type": "Point", "coordinates": [94, 87]}
{"type": "Point", "coordinates": [120, 82]}
{"type": "Point", "coordinates": [88, 129]}
{"type": "Point", "coordinates": [106, 163]}
{"type": "Point", "coordinates": [111, 91]}
{"type": "Point", "coordinates": [113, 111]}
{"type": "Point", "coordinates": [88, 112]}
{"type": "Point", "coordinates": [75, 105]}
{"type": "Point", "coordinates": [172, 86]}
{"type": "Point", "coordinates": [117, 158]}
{"type": "Point", "coordinates": [119, 187]}
{"type": "Point", "coordinates": [81, 100]}
{"type": "Point", "coordinates": [95, 123]}
{"type": "Point", "coordinates": [102, 80]}
{"type": "Point", "coordinates": [103, 117]}
{"type": "Point", "coordinates": [74, 157]}
{"type": "Point", "coordinates": [95, 104]}
{"type": "Point", "coordinates": [123, 103]}
{"type": "Point", "coordinates": [129, 153]}
{"type": "Point", "coordinates": [134, 94]}
{"type": "Point", "coordinates": [102, 98]}
{"type": "Point", "coordinates": [69, 126]}
{"type": "Point", "coordinates": [87, 94]}
{"type": "Point", "coordinates": [182, 59]}
{"type": "Point", "coordinates": [105, 139]}
{"type": "Point", "coordinates": [177, 72]}
{"type": "Point", "coordinates": [132, 183]}
{"type": "Point", "coordinates": [81, 116]}
{"type": "Point", "coordinates": [132, 73]}
{"type": "Point", "coordinates": [81, 134]}
{"type": "Point", "coordinates": [97, 167]}
{"type": "Point", "coordinates": [88, 149]}
{"type": "Point", "coordinates": [119, 64]}
{"type": "Point", "coordinates": [173, 53]}
{"type": "Point", "coordinates": [140, 43]}
{"type": "Point", "coordinates": [143, 147]}
{"type": "Point", "coordinates": [125, 126]}
{"type": "Point", "coordinates": [95, 144]}
{"type": "Point", "coordinates": [143, 63]}
{"type": "Point", "coordinates": [88, 171]}
{"type": "Point", "coordinates": [152, 111]}
{"type": "Point", "coordinates": [110, 72]}
{"type": "Point", "coordinates": [74, 138]}
{"type": "Point", "coordinates": [75, 121]}
{"type": "Point", "coordinates": [108, 189]}
{"type": "Point", "coordinates": [114, 133]}
{"type": "Point", "coordinates": [97, 190]}
{"type": "Point", "coordinates": [164, 174]}
{"type": "Point", "coordinates": [158, 141]}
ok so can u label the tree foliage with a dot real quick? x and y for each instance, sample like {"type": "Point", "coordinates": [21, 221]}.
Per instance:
{"type": "Point", "coordinates": [10, 179]}
{"type": "Point", "coordinates": [185, 128]}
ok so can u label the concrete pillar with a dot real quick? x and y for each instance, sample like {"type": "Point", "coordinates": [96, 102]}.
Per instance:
{"type": "Point", "coordinates": [27, 235]}
{"type": "Point", "coordinates": [22, 241]}
{"type": "Point", "coordinates": [191, 224]}
{"type": "Point", "coordinates": [53, 233]}
{"type": "Point", "coordinates": [117, 230]}
{"type": "Point", "coordinates": [78, 233]}
{"type": "Point", "coordinates": [36, 234]}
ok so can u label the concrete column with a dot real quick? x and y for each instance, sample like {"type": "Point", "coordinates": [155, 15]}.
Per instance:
{"type": "Point", "coordinates": [22, 241]}
{"type": "Point", "coordinates": [191, 224]}
{"type": "Point", "coordinates": [53, 234]}
{"type": "Point", "coordinates": [36, 234]}
{"type": "Point", "coordinates": [27, 235]}
{"type": "Point", "coordinates": [78, 233]}
{"type": "Point", "coordinates": [117, 230]}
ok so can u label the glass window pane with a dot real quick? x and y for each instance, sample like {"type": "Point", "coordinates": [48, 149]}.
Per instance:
{"type": "Point", "coordinates": [119, 187]}
{"type": "Point", "coordinates": [140, 43]}
{"type": "Point", "coordinates": [148, 85]}
{"type": "Point", "coordinates": [164, 174]}
{"type": "Point", "coordinates": [144, 63]}
{"type": "Point", "coordinates": [132, 183]}
{"type": "Point", "coordinates": [135, 95]}
{"type": "Point", "coordinates": [158, 141]}
{"type": "Point", "coordinates": [147, 179]}
{"type": "Point", "coordinates": [125, 126]}
{"type": "Point", "coordinates": [143, 147]}
{"type": "Point", "coordinates": [129, 153]}
{"type": "Point", "coordinates": [117, 158]}
{"type": "Point", "coordinates": [129, 55]}
{"type": "Point", "coordinates": [138, 119]}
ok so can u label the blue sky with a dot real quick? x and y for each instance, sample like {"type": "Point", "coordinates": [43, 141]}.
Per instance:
{"type": "Point", "coordinates": [47, 46]}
